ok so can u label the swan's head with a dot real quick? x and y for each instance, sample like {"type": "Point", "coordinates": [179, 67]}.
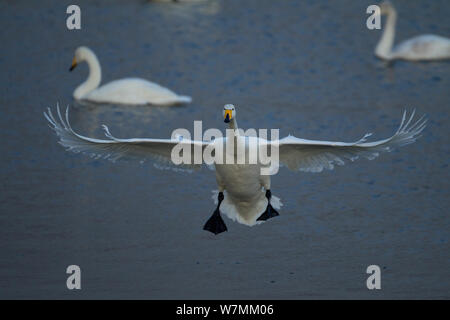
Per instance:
{"type": "Point", "coordinates": [386, 7]}
{"type": "Point", "coordinates": [229, 113]}
{"type": "Point", "coordinates": [81, 54]}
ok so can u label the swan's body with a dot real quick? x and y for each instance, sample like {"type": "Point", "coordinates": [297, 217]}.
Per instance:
{"type": "Point", "coordinates": [424, 47]}
{"type": "Point", "coordinates": [131, 91]}
{"type": "Point", "coordinates": [241, 186]}
{"type": "Point", "coordinates": [135, 91]}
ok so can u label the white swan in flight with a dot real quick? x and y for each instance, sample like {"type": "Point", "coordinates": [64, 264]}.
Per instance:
{"type": "Point", "coordinates": [129, 91]}
{"type": "Point", "coordinates": [244, 195]}
{"type": "Point", "coordinates": [424, 47]}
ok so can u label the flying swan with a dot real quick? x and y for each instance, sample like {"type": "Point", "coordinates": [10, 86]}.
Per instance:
{"type": "Point", "coordinates": [244, 194]}
{"type": "Point", "coordinates": [128, 91]}
{"type": "Point", "coordinates": [424, 47]}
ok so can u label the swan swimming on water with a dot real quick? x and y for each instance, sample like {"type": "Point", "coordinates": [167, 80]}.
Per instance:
{"type": "Point", "coordinates": [244, 194]}
{"type": "Point", "coordinates": [130, 91]}
{"type": "Point", "coordinates": [424, 47]}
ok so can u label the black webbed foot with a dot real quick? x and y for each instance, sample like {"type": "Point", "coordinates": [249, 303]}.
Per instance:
{"type": "Point", "coordinates": [215, 224]}
{"type": "Point", "coordinates": [270, 211]}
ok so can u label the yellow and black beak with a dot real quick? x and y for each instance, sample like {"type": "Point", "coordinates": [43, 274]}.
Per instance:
{"type": "Point", "coordinates": [74, 64]}
{"type": "Point", "coordinates": [227, 115]}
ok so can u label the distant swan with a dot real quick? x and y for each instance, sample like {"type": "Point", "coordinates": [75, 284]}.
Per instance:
{"type": "Point", "coordinates": [244, 194]}
{"type": "Point", "coordinates": [424, 47]}
{"type": "Point", "coordinates": [130, 91]}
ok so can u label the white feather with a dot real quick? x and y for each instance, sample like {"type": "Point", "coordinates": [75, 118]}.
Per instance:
{"type": "Point", "coordinates": [314, 156]}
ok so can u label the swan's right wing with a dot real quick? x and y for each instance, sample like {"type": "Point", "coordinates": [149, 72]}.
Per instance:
{"type": "Point", "coordinates": [314, 156]}
{"type": "Point", "coordinates": [114, 149]}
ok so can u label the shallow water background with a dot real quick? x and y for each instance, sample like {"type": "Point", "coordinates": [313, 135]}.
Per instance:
{"type": "Point", "coordinates": [306, 67]}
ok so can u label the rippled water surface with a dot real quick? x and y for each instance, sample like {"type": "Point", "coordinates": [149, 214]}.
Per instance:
{"type": "Point", "coordinates": [306, 67]}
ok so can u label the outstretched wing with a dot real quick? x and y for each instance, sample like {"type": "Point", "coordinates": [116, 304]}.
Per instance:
{"type": "Point", "coordinates": [114, 149]}
{"type": "Point", "coordinates": [314, 156]}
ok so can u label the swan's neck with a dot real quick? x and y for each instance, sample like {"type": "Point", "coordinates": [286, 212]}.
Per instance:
{"type": "Point", "coordinates": [384, 47]}
{"type": "Point", "coordinates": [234, 135]}
{"type": "Point", "coordinates": [235, 131]}
{"type": "Point", "coordinates": [233, 125]}
{"type": "Point", "coordinates": [93, 80]}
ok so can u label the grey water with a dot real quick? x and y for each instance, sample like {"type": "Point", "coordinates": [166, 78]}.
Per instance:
{"type": "Point", "coordinates": [305, 67]}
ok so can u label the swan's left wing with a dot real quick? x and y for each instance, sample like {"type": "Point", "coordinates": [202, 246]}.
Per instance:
{"type": "Point", "coordinates": [114, 149]}
{"type": "Point", "coordinates": [314, 156]}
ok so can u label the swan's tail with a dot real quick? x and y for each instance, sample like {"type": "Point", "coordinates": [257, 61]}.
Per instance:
{"type": "Point", "coordinates": [250, 216]}
{"type": "Point", "coordinates": [184, 99]}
